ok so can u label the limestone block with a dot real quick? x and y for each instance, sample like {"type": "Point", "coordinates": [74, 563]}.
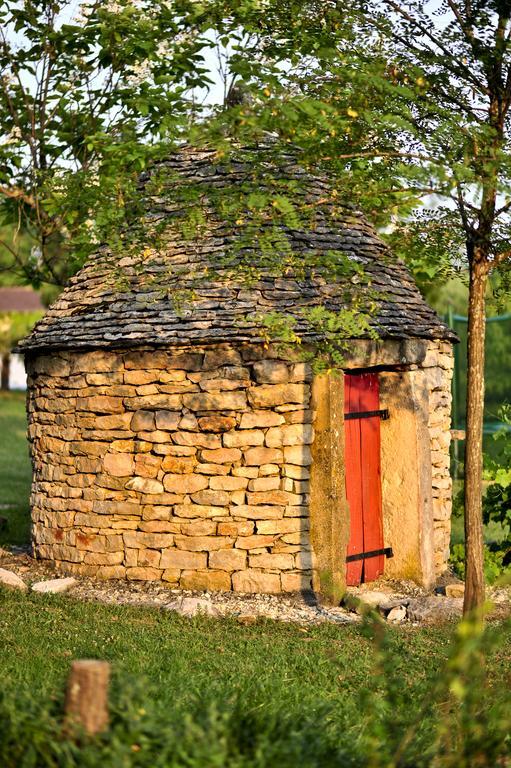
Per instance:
{"type": "Point", "coordinates": [283, 498]}
{"type": "Point", "coordinates": [298, 454]}
{"type": "Point", "coordinates": [82, 464]}
{"type": "Point", "coordinates": [215, 358]}
{"type": "Point", "coordinates": [271, 372]}
{"type": "Point", "coordinates": [143, 574]}
{"type": "Point", "coordinates": [172, 450]}
{"type": "Point", "coordinates": [269, 470]}
{"type": "Point", "coordinates": [245, 472]}
{"type": "Point", "coordinates": [289, 434]}
{"type": "Point", "coordinates": [122, 446]}
{"type": "Point", "coordinates": [270, 483]}
{"type": "Point", "coordinates": [147, 389]}
{"type": "Point", "coordinates": [140, 540]}
{"type": "Point", "coordinates": [185, 483]}
{"type": "Point", "coordinates": [159, 526]}
{"type": "Point", "coordinates": [171, 376]}
{"type": "Point", "coordinates": [147, 465]}
{"type": "Point", "coordinates": [115, 421]}
{"type": "Point", "coordinates": [144, 485]}
{"type": "Point", "coordinates": [206, 580]}
{"type": "Point", "coordinates": [198, 510]}
{"type": "Point", "coordinates": [203, 543]}
{"type": "Point", "coordinates": [198, 528]}
{"type": "Point", "coordinates": [243, 438]}
{"type": "Point", "coordinates": [269, 395]}
{"type": "Point", "coordinates": [167, 420]}
{"type": "Point", "coordinates": [441, 510]}
{"type": "Point", "coordinates": [178, 558]}
{"type": "Point", "coordinates": [12, 580]}
{"type": "Point", "coordinates": [215, 423]}
{"type": "Point", "coordinates": [224, 385]}
{"type": "Point", "coordinates": [281, 562]}
{"type": "Point", "coordinates": [257, 456]}
{"type": "Point", "coordinates": [435, 378]}
{"type": "Point", "coordinates": [254, 541]}
{"type": "Point", "coordinates": [100, 404]}
{"type": "Point", "coordinates": [221, 455]}
{"type": "Point", "coordinates": [252, 581]}
{"type": "Point", "coordinates": [211, 497]}
{"type": "Point", "coordinates": [212, 469]}
{"type": "Point", "coordinates": [109, 572]}
{"type": "Point", "coordinates": [178, 388]}
{"type": "Point", "coordinates": [179, 465]}
{"type": "Point", "coordinates": [154, 402]}
{"type": "Point", "coordinates": [52, 365]}
{"type": "Point", "coordinates": [286, 525]}
{"type": "Point", "coordinates": [141, 377]}
{"type": "Point", "coordinates": [238, 497]}
{"type": "Point", "coordinates": [162, 360]}
{"type": "Point", "coordinates": [236, 528]}
{"type": "Point", "coordinates": [228, 559]}
{"type": "Point", "coordinates": [258, 512]}
{"type": "Point", "coordinates": [171, 575]}
{"type": "Point", "coordinates": [254, 419]}
{"type": "Point", "coordinates": [149, 558]}
{"type": "Point", "coordinates": [219, 401]}
{"type": "Point", "coordinates": [103, 558]}
{"type": "Point", "coordinates": [131, 558]}
{"type": "Point", "coordinates": [91, 543]}
{"type": "Point", "coordinates": [300, 372]}
{"type": "Point", "coordinates": [300, 538]}
{"type": "Point", "coordinates": [157, 436]}
{"type": "Point", "coordinates": [157, 512]}
{"type": "Point", "coordinates": [54, 586]}
{"type": "Point", "coordinates": [228, 483]}
{"type": "Point", "coordinates": [296, 581]}
{"type": "Point", "coordinates": [189, 422]}
{"type": "Point", "coordinates": [197, 439]}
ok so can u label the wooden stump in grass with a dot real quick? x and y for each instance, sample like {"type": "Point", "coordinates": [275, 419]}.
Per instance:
{"type": "Point", "coordinates": [87, 695]}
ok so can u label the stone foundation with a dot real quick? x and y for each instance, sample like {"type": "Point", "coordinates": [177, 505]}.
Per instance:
{"type": "Point", "coordinates": [191, 467]}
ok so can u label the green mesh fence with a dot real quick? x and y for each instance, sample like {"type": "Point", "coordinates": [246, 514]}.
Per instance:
{"type": "Point", "coordinates": [497, 369]}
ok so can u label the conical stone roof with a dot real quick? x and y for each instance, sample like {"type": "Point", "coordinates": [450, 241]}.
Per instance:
{"type": "Point", "coordinates": [187, 290]}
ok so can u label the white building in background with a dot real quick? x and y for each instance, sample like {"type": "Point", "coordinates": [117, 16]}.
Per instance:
{"type": "Point", "coordinates": [17, 375]}
{"type": "Point", "coordinates": [15, 301]}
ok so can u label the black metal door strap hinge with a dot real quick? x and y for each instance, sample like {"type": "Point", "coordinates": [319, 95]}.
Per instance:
{"type": "Point", "coordinates": [375, 552]}
{"type": "Point", "coordinates": [383, 413]}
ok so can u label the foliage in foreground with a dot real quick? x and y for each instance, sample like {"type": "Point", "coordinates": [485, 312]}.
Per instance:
{"type": "Point", "coordinates": [461, 721]}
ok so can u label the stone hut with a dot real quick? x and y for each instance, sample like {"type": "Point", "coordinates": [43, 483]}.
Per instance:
{"type": "Point", "coordinates": [173, 438]}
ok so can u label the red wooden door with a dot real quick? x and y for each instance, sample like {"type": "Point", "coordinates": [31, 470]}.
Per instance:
{"type": "Point", "coordinates": [363, 476]}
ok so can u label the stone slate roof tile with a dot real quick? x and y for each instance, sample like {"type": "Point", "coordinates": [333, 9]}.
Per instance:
{"type": "Point", "coordinates": [184, 292]}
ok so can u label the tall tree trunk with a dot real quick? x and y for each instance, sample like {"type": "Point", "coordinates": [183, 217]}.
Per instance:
{"type": "Point", "coordinates": [6, 370]}
{"type": "Point", "coordinates": [474, 572]}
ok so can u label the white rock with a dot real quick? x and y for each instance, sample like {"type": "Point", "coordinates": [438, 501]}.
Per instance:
{"type": "Point", "coordinates": [54, 586]}
{"type": "Point", "coordinates": [11, 580]}
{"type": "Point", "coordinates": [193, 606]}
{"type": "Point", "coordinates": [396, 615]}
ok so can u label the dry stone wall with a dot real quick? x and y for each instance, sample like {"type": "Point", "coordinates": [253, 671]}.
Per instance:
{"type": "Point", "coordinates": [439, 365]}
{"type": "Point", "coordinates": [191, 467]}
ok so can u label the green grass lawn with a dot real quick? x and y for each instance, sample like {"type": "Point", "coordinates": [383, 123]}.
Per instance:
{"type": "Point", "coordinates": [15, 470]}
{"type": "Point", "coordinates": [328, 677]}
